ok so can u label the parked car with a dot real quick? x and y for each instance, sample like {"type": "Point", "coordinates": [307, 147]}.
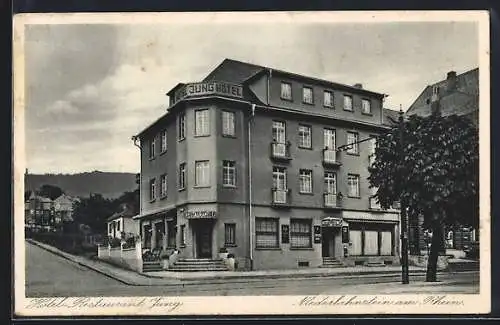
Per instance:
{"type": "Point", "coordinates": [472, 250]}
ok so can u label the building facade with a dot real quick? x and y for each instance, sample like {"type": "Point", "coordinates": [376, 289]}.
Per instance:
{"type": "Point", "coordinates": [456, 94]}
{"type": "Point", "coordinates": [121, 224]}
{"type": "Point", "coordinates": [269, 165]}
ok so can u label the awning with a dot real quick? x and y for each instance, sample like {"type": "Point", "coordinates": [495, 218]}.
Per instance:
{"type": "Point", "coordinates": [331, 222]}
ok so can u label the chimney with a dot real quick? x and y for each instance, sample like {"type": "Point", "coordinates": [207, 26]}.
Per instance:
{"type": "Point", "coordinates": [360, 86]}
{"type": "Point", "coordinates": [451, 81]}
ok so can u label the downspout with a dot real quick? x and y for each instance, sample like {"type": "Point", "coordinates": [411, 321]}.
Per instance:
{"type": "Point", "coordinates": [134, 138]}
{"type": "Point", "coordinates": [269, 86]}
{"type": "Point", "coordinates": [250, 210]}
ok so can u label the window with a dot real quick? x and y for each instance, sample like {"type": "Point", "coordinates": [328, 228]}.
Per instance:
{"type": "Point", "coordinates": [352, 142]}
{"type": "Point", "coordinates": [347, 103]}
{"type": "Point", "coordinates": [230, 234]}
{"type": "Point", "coordinates": [279, 178]}
{"type": "Point", "coordinates": [164, 141]}
{"type": "Point", "coordinates": [182, 126]}
{"type": "Point", "coordinates": [183, 235]}
{"type": "Point", "coordinates": [182, 176]}
{"type": "Point", "coordinates": [118, 225]}
{"type": "Point", "coordinates": [329, 139]}
{"type": "Point", "coordinates": [305, 181]}
{"type": "Point", "coordinates": [286, 91]}
{"type": "Point", "coordinates": [366, 106]}
{"type": "Point", "coordinates": [152, 148]}
{"type": "Point", "coordinates": [152, 189]}
{"type": "Point", "coordinates": [371, 239]}
{"type": "Point", "coordinates": [300, 233]}
{"type": "Point", "coordinates": [228, 123]}
{"type": "Point", "coordinates": [202, 122]}
{"type": "Point", "coordinates": [279, 132]}
{"type": "Point", "coordinates": [228, 173]}
{"type": "Point", "coordinates": [328, 99]}
{"type": "Point", "coordinates": [266, 232]}
{"type": "Point", "coordinates": [353, 185]}
{"type": "Point", "coordinates": [304, 136]}
{"type": "Point", "coordinates": [202, 173]}
{"type": "Point", "coordinates": [330, 183]}
{"type": "Point", "coordinates": [307, 95]}
{"type": "Point", "coordinates": [163, 185]}
{"type": "Point", "coordinates": [110, 227]}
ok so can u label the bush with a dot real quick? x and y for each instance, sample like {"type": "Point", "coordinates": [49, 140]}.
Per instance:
{"type": "Point", "coordinates": [223, 250]}
{"type": "Point", "coordinates": [230, 255]}
{"type": "Point", "coordinates": [129, 243]}
{"type": "Point", "coordinates": [115, 242]}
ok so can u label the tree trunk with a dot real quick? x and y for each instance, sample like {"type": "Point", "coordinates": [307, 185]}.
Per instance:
{"type": "Point", "coordinates": [437, 237]}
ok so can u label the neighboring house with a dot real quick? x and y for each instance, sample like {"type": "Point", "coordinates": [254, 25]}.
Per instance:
{"type": "Point", "coordinates": [247, 160]}
{"type": "Point", "coordinates": [456, 94]}
{"type": "Point", "coordinates": [122, 222]}
{"type": "Point", "coordinates": [63, 208]}
{"type": "Point", "coordinates": [42, 213]}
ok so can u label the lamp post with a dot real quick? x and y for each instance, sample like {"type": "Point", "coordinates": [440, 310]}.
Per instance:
{"type": "Point", "coordinates": [404, 222]}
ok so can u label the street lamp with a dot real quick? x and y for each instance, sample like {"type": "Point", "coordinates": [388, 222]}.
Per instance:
{"type": "Point", "coordinates": [404, 222]}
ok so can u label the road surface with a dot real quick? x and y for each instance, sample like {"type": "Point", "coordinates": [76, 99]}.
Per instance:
{"type": "Point", "coordinates": [49, 275]}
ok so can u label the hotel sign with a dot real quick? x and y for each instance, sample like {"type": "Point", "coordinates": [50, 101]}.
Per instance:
{"type": "Point", "coordinates": [331, 222]}
{"type": "Point", "coordinates": [200, 215]}
{"type": "Point", "coordinates": [208, 88]}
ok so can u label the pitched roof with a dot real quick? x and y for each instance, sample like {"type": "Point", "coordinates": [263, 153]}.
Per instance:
{"type": "Point", "coordinates": [125, 212]}
{"type": "Point", "coordinates": [389, 114]}
{"type": "Point", "coordinates": [238, 72]}
{"type": "Point", "coordinates": [463, 99]}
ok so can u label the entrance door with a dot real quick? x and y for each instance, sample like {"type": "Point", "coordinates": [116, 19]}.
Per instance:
{"type": "Point", "coordinates": [327, 242]}
{"type": "Point", "coordinates": [204, 239]}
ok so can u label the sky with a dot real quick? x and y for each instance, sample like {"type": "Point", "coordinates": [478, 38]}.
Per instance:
{"type": "Point", "coordinates": [90, 87]}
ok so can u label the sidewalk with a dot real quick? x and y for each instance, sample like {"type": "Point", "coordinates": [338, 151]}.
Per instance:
{"type": "Point", "coordinates": [166, 278]}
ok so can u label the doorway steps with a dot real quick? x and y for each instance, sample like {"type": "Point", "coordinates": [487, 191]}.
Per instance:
{"type": "Point", "coordinates": [331, 262]}
{"type": "Point", "coordinates": [152, 266]}
{"type": "Point", "coordinates": [198, 265]}
{"type": "Point", "coordinates": [375, 264]}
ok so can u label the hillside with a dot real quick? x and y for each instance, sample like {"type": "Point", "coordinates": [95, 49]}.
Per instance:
{"type": "Point", "coordinates": [110, 185]}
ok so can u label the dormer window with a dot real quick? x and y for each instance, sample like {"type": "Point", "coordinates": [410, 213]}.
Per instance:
{"type": "Point", "coordinates": [307, 95]}
{"type": "Point", "coordinates": [286, 91]}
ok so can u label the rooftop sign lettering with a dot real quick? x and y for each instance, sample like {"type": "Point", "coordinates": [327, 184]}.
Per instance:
{"type": "Point", "coordinates": [208, 88]}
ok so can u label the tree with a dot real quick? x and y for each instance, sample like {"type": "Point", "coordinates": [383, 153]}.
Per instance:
{"type": "Point", "coordinates": [50, 191]}
{"type": "Point", "coordinates": [93, 211]}
{"type": "Point", "coordinates": [435, 173]}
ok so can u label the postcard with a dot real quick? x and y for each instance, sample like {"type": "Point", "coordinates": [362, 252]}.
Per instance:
{"type": "Point", "coordinates": [244, 163]}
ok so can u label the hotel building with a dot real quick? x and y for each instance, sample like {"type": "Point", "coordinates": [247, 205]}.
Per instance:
{"type": "Point", "coordinates": [271, 166]}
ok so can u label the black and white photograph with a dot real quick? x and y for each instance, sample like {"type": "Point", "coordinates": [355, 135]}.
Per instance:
{"type": "Point", "coordinates": [251, 163]}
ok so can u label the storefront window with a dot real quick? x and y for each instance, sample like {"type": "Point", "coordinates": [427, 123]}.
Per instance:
{"type": "Point", "coordinates": [172, 234]}
{"type": "Point", "coordinates": [371, 239]}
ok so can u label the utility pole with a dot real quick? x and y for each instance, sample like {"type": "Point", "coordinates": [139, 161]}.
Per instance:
{"type": "Point", "coordinates": [404, 222]}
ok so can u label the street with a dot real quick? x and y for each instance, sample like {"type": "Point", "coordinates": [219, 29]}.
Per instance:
{"type": "Point", "coordinates": [48, 275]}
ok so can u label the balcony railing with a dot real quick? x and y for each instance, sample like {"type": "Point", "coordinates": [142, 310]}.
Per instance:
{"type": "Point", "coordinates": [331, 200]}
{"type": "Point", "coordinates": [280, 197]}
{"type": "Point", "coordinates": [280, 150]}
{"type": "Point", "coordinates": [374, 205]}
{"type": "Point", "coordinates": [330, 157]}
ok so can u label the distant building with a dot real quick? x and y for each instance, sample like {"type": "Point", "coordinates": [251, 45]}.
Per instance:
{"type": "Point", "coordinates": [121, 223]}
{"type": "Point", "coordinates": [248, 161]}
{"type": "Point", "coordinates": [456, 94]}
{"type": "Point", "coordinates": [42, 213]}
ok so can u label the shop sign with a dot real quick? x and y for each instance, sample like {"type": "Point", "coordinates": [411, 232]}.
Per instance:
{"type": "Point", "coordinates": [285, 234]}
{"type": "Point", "coordinates": [317, 234]}
{"type": "Point", "coordinates": [345, 234]}
{"type": "Point", "coordinates": [208, 88]}
{"type": "Point", "coordinates": [200, 215]}
{"type": "Point", "coordinates": [331, 222]}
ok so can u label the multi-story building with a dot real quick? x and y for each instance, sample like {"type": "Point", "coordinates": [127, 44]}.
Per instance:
{"type": "Point", "coordinates": [248, 160]}
{"type": "Point", "coordinates": [456, 94]}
